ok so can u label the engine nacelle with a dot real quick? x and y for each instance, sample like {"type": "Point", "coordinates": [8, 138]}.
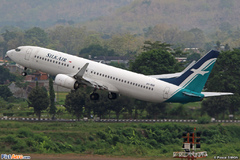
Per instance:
{"type": "Point", "coordinates": [66, 81]}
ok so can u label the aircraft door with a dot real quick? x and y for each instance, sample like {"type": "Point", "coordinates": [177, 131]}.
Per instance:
{"type": "Point", "coordinates": [28, 53]}
{"type": "Point", "coordinates": [166, 92]}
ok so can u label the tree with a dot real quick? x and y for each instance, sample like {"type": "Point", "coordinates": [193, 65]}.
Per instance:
{"type": "Point", "coordinates": [6, 75]}
{"type": "Point", "coordinates": [38, 99]}
{"type": "Point", "coordinates": [155, 45]}
{"type": "Point", "coordinates": [5, 92]}
{"type": "Point", "coordinates": [199, 38]}
{"type": "Point", "coordinates": [139, 106]}
{"type": "Point", "coordinates": [96, 50]}
{"type": "Point", "coordinates": [215, 106]}
{"type": "Point", "coordinates": [193, 57]}
{"type": "Point", "coordinates": [225, 78]}
{"type": "Point", "coordinates": [36, 36]}
{"type": "Point", "coordinates": [153, 109]}
{"type": "Point", "coordinates": [53, 108]}
{"type": "Point", "coordinates": [75, 102]}
{"type": "Point", "coordinates": [156, 61]}
{"type": "Point", "coordinates": [119, 105]}
{"type": "Point", "coordinates": [118, 65]}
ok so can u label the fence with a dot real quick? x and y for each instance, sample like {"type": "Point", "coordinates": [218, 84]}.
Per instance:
{"type": "Point", "coordinates": [115, 120]}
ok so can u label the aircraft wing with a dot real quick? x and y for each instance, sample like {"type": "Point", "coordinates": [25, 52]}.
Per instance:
{"type": "Point", "coordinates": [173, 75]}
{"type": "Point", "coordinates": [93, 83]}
{"type": "Point", "coordinates": [213, 94]}
{"type": "Point", "coordinates": [100, 85]}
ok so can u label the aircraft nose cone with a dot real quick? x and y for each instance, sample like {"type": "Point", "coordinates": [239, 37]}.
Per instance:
{"type": "Point", "coordinates": [8, 54]}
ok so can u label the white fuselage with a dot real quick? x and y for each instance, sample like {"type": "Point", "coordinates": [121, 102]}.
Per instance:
{"type": "Point", "coordinates": [125, 82]}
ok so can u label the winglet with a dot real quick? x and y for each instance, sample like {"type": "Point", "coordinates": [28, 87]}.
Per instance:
{"type": "Point", "coordinates": [80, 74]}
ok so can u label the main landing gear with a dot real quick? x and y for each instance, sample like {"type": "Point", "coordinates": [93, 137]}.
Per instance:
{"type": "Point", "coordinates": [95, 96]}
{"type": "Point", "coordinates": [112, 96]}
{"type": "Point", "coordinates": [24, 73]}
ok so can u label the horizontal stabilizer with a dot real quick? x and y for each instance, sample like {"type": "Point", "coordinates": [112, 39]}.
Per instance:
{"type": "Point", "coordinates": [213, 94]}
{"type": "Point", "coordinates": [192, 94]}
{"type": "Point", "coordinates": [172, 75]}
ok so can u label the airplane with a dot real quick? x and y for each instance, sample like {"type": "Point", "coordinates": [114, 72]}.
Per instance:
{"type": "Point", "coordinates": [71, 71]}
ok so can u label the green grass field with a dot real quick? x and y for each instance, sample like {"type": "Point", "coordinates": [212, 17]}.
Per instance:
{"type": "Point", "coordinates": [156, 140]}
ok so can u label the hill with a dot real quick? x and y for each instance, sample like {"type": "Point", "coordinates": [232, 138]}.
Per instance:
{"type": "Point", "coordinates": [139, 15]}
{"type": "Point", "coordinates": [116, 16]}
{"type": "Point", "coordinates": [27, 13]}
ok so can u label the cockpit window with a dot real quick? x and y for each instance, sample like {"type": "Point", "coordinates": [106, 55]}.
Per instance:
{"type": "Point", "coordinates": [17, 50]}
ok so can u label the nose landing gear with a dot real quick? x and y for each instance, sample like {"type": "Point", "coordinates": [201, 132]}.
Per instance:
{"type": "Point", "coordinates": [24, 73]}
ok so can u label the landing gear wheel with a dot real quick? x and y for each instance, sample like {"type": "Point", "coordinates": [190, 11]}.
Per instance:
{"type": "Point", "coordinates": [112, 96]}
{"type": "Point", "coordinates": [24, 73]}
{"type": "Point", "coordinates": [94, 96]}
{"type": "Point", "coordinates": [76, 85]}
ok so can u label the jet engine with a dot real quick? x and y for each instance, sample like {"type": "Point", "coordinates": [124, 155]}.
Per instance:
{"type": "Point", "coordinates": [66, 81]}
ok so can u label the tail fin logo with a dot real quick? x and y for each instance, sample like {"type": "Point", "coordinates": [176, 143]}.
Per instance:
{"type": "Point", "coordinates": [202, 70]}
{"type": "Point", "coordinates": [199, 71]}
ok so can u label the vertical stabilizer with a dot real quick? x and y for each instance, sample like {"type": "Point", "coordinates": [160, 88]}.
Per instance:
{"type": "Point", "coordinates": [195, 77]}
